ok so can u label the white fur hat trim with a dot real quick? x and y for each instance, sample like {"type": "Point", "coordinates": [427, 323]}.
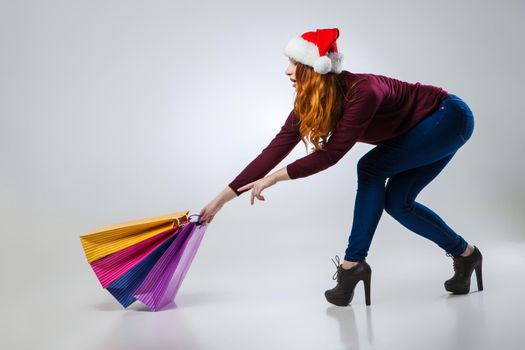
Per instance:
{"type": "Point", "coordinates": [308, 53]}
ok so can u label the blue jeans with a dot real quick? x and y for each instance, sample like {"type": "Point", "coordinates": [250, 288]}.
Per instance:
{"type": "Point", "coordinates": [409, 161]}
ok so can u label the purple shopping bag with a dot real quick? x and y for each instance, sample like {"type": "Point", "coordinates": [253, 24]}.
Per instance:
{"type": "Point", "coordinates": [162, 283]}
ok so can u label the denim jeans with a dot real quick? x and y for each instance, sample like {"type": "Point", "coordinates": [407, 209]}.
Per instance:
{"type": "Point", "coordinates": [409, 161]}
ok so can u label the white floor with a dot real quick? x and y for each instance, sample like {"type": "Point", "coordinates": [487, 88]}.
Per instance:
{"type": "Point", "coordinates": [251, 297]}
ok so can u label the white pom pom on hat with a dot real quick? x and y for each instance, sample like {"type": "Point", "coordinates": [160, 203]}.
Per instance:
{"type": "Point", "coordinates": [323, 65]}
{"type": "Point", "coordinates": [317, 49]}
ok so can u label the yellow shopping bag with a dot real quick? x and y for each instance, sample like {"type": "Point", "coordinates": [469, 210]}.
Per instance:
{"type": "Point", "coordinates": [110, 239]}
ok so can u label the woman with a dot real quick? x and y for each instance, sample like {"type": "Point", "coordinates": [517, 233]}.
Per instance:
{"type": "Point", "coordinates": [416, 128]}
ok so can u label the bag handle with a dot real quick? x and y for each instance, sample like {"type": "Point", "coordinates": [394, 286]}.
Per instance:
{"type": "Point", "coordinates": [198, 221]}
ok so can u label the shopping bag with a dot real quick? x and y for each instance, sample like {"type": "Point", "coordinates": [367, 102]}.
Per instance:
{"type": "Point", "coordinates": [165, 278]}
{"type": "Point", "coordinates": [111, 267]}
{"type": "Point", "coordinates": [124, 287]}
{"type": "Point", "coordinates": [152, 267]}
{"type": "Point", "coordinates": [113, 238]}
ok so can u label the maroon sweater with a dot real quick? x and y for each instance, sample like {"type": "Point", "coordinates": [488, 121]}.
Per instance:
{"type": "Point", "coordinates": [380, 108]}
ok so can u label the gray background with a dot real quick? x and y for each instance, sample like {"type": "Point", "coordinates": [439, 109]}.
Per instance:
{"type": "Point", "coordinates": [116, 110]}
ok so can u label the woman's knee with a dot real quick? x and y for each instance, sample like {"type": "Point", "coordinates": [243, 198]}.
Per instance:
{"type": "Point", "coordinates": [395, 202]}
{"type": "Point", "coordinates": [368, 167]}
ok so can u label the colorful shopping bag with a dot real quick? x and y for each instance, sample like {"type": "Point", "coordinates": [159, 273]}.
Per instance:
{"type": "Point", "coordinates": [112, 266]}
{"type": "Point", "coordinates": [113, 238]}
{"type": "Point", "coordinates": [145, 259]}
{"type": "Point", "coordinates": [163, 281]}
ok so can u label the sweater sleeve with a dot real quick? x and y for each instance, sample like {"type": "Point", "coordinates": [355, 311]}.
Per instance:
{"type": "Point", "coordinates": [357, 115]}
{"type": "Point", "coordinates": [281, 145]}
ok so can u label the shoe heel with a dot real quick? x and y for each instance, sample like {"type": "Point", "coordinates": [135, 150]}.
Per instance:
{"type": "Point", "coordinates": [366, 282]}
{"type": "Point", "coordinates": [478, 277]}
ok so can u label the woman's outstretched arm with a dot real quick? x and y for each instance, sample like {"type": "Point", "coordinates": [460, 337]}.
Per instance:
{"type": "Point", "coordinates": [281, 145]}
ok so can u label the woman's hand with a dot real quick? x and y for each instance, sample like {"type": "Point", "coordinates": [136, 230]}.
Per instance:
{"type": "Point", "coordinates": [208, 212]}
{"type": "Point", "coordinates": [258, 186]}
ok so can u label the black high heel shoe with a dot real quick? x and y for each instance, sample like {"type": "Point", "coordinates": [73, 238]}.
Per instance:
{"type": "Point", "coordinates": [463, 268]}
{"type": "Point", "coordinates": [343, 293]}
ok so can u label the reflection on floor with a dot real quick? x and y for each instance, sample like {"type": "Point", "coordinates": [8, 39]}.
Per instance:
{"type": "Point", "coordinates": [279, 304]}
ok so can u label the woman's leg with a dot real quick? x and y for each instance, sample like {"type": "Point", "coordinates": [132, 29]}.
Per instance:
{"type": "Point", "coordinates": [401, 192]}
{"type": "Point", "coordinates": [429, 145]}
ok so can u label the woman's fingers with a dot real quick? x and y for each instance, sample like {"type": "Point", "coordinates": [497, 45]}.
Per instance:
{"type": "Point", "coordinates": [257, 195]}
{"type": "Point", "coordinates": [204, 216]}
{"type": "Point", "coordinates": [208, 212]}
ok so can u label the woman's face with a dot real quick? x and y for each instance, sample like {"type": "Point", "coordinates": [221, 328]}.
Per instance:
{"type": "Point", "coordinates": [290, 71]}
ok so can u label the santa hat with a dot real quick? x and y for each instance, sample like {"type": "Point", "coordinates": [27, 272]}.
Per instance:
{"type": "Point", "coordinates": [317, 49]}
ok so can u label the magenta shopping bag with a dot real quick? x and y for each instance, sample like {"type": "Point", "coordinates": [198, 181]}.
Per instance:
{"type": "Point", "coordinates": [113, 266]}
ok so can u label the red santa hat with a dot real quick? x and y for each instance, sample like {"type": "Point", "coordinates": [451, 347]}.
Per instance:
{"type": "Point", "coordinates": [317, 49]}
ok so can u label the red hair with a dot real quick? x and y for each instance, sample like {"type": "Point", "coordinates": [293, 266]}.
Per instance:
{"type": "Point", "coordinates": [318, 104]}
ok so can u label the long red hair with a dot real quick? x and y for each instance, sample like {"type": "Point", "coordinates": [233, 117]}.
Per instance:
{"type": "Point", "coordinates": [319, 102]}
